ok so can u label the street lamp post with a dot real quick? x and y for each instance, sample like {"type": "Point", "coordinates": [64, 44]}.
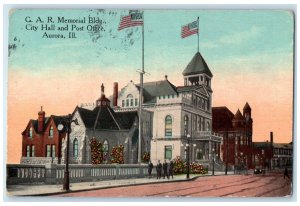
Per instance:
{"type": "Point", "coordinates": [213, 158]}
{"type": "Point", "coordinates": [188, 156]}
{"type": "Point", "coordinates": [66, 123]}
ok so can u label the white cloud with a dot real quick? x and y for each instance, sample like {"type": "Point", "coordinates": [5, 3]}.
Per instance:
{"type": "Point", "coordinates": [236, 38]}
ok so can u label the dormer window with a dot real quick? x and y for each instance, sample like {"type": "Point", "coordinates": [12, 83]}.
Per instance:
{"type": "Point", "coordinates": [51, 132]}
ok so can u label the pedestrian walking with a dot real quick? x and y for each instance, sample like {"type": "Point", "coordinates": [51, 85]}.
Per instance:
{"type": "Point", "coordinates": [286, 173]}
{"type": "Point", "coordinates": [150, 167]}
{"type": "Point", "coordinates": [171, 167]}
{"type": "Point", "coordinates": [158, 170]}
{"type": "Point", "coordinates": [165, 168]}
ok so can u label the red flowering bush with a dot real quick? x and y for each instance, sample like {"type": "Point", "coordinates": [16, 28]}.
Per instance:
{"type": "Point", "coordinates": [117, 154]}
{"type": "Point", "coordinates": [96, 151]}
{"type": "Point", "coordinates": [179, 166]}
{"type": "Point", "coordinates": [146, 156]}
{"type": "Point", "coordinates": [198, 168]}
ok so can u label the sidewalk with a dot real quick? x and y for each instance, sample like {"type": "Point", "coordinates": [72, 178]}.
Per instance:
{"type": "Point", "coordinates": [33, 190]}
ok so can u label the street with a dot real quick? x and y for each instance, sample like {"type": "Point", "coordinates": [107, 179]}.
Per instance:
{"type": "Point", "coordinates": [270, 185]}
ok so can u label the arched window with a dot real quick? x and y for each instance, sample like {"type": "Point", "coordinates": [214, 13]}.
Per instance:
{"type": "Point", "coordinates": [75, 148]}
{"type": "Point", "coordinates": [129, 100]}
{"type": "Point", "coordinates": [51, 132]}
{"type": "Point", "coordinates": [168, 126]}
{"type": "Point", "coordinates": [30, 133]}
{"type": "Point", "coordinates": [105, 146]}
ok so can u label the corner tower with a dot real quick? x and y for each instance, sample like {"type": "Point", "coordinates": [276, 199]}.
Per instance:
{"type": "Point", "coordinates": [197, 72]}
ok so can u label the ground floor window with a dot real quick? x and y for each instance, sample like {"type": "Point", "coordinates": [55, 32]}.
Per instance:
{"type": "Point", "coordinates": [168, 152]}
{"type": "Point", "coordinates": [32, 151]}
{"type": "Point", "coordinates": [53, 150]}
{"type": "Point", "coordinates": [199, 155]}
{"type": "Point", "coordinates": [27, 151]}
{"type": "Point", "coordinates": [48, 150]}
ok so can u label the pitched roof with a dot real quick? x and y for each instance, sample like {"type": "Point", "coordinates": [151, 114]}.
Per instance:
{"type": "Point", "coordinates": [194, 87]}
{"type": "Point", "coordinates": [56, 120]}
{"type": "Point", "coordinates": [197, 66]}
{"type": "Point", "coordinates": [151, 90]}
{"type": "Point", "coordinates": [106, 118]}
{"type": "Point", "coordinates": [221, 118]}
{"type": "Point", "coordinates": [238, 116]}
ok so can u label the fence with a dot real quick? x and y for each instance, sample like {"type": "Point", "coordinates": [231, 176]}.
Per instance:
{"type": "Point", "coordinates": [54, 173]}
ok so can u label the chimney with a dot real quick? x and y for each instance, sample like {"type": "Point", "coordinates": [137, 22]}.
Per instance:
{"type": "Point", "coordinates": [102, 90]}
{"type": "Point", "coordinates": [115, 94]}
{"type": "Point", "coordinates": [271, 137]}
{"type": "Point", "coordinates": [41, 120]}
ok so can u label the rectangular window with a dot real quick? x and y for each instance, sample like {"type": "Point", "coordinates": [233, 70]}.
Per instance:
{"type": "Point", "coordinates": [168, 152]}
{"type": "Point", "coordinates": [127, 102]}
{"type": "Point", "coordinates": [53, 150]}
{"type": "Point", "coordinates": [32, 151]}
{"type": "Point", "coordinates": [131, 102]}
{"type": "Point", "coordinates": [123, 103]}
{"type": "Point", "coordinates": [136, 102]}
{"type": "Point", "coordinates": [48, 150]}
{"type": "Point", "coordinates": [27, 151]}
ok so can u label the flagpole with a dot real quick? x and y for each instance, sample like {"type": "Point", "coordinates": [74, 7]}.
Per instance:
{"type": "Point", "coordinates": [198, 33]}
{"type": "Point", "coordinates": [141, 98]}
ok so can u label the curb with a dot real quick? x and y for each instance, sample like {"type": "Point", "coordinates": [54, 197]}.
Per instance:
{"type": "Point", "coordinates": [108, 187]}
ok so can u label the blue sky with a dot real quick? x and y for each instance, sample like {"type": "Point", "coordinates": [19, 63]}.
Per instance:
{"type": "Point", "coordinates": [223, 35]}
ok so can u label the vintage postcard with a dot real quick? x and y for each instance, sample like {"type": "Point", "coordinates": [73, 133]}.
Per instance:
{"type": "Point", "coordinates": [150, 103]}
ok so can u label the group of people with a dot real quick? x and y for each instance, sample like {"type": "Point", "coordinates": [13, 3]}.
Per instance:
{"type": "Point", "coordinates": [162, 170]}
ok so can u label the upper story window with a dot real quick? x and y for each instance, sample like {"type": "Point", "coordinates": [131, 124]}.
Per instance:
{"type": "Point", "coordinates": [51, 132]}
{"type": "Point", "coordinates": [30, 133]}
{"type": "Point", "coordinates": [207, 126]}
{"type": "Point", "coordinates": [123, 103]}
{"type": "Point", "coordinates": [75, 148]}
{"type": "Point", "coordinates": [168, 126]}
{"type": "Point", "coordinates": [186, 120]}
{"type": "Point", "coordinates": [136, 102]}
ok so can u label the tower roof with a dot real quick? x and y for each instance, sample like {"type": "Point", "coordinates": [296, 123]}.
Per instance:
{"type": "Point", "coordinates": [247, 106]}
{"type": "Point", "coordinates": [238, 116]}
{"type": "Point", "coordinates": [197, 66]}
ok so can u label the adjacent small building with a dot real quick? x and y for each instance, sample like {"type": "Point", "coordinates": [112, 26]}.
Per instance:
{"type": "Point", "coordinates": [41, 140]}
{"type": "Point", "coordinates": [236, 130]}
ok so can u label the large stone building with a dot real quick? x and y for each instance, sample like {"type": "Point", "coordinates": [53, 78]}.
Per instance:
{"type": "Point", "coordinates": [180, 114]}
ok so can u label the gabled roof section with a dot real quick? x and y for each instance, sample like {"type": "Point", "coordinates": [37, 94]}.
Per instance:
{"type": "Point", "coordinates": [158, 88]}
{"type": "Point", "coordinates": [221, 118]}
{"type": "Point", "coordinates": [197, 66]}
{"type": "Point", "coordinates": [104, 118]}
{"type": "Point", "coordinates": [238, 116]}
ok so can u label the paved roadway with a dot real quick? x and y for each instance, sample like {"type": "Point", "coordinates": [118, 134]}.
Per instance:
{"type": "Point", "coordinates": [271, 185]}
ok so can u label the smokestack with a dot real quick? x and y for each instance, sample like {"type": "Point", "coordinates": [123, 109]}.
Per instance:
{"type": "Point", "coordinates": [271, 137]}
{"type": "Point", "coordinates": [41, 120]}
{"type": "Point", "coordinates": [115, 94]}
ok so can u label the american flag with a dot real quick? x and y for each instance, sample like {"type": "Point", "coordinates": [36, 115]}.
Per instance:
{"type": "Point", "coordinates": [189, 29]}
{"type": "Point", "coordinates": [135, 18]}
